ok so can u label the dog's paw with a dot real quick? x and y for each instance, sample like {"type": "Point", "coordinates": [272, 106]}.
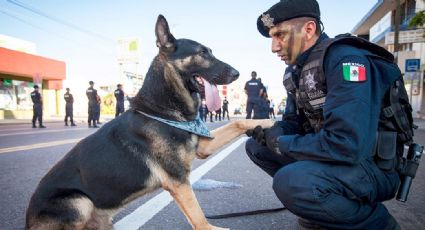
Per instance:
{"type": "Point", "coordinates": [201, 156]}
{"type": "Point", "coordinates": [266, 123]}
{"type": "Point", "coordinates": [250, 124]}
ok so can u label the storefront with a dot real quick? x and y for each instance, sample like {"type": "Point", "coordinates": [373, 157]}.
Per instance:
{"type": "Point", "coordinates": [19, 72]}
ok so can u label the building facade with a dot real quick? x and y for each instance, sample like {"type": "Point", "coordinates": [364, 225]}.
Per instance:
{"type": "Point", "coordinates": [378, 26]}
{"type": "Point", "coordinates": [20, 69]}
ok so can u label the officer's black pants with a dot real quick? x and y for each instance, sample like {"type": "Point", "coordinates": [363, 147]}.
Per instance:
{"type": "Point", "coordinates": [334, 196]}
{"type": "Point", "coordinates": [218, 114]}
{"type": "Point", "coordinates": [69, 113]}
{"type": "Point", "coordinates": [119, 108]}
{"type": "Point", "coordinates": [251, 104]}
{"type": "Point", "coordinates": [224, 112]}
{"type": "Point", "coordinates": [92, 113]}
{"type": "Point", "coordinates": [37, 114]}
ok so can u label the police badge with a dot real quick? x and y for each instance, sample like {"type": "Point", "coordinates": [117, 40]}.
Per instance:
{"type": "Point", "coordinates": [267, 20]}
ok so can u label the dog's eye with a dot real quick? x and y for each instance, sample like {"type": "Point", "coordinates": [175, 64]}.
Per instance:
{"type": "Point", "coordinates": [203, 51]}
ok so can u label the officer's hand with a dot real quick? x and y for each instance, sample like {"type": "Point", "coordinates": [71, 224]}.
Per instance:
{"type": "Point", "coordinates": [271, 137]}
{"type": "Point", "coordinates": [257, 134]}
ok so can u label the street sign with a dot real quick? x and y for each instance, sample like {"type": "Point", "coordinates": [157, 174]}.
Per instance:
{"type": "Point", "coordinates": [412, 65]}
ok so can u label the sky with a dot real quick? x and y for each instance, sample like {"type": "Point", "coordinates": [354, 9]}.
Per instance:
{"type": "Point", "coordinates": [84, 33]}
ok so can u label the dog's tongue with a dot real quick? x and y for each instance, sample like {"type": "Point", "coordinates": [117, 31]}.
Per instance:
{"type": "Point", "coordinates": [212, 98]}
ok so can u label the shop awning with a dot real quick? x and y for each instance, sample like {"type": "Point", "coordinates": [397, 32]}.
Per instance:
{"type": "Point", "coordinates": [20, 64]}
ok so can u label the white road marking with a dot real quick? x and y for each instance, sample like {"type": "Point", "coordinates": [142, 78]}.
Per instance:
{"type": "Point", "coordinates": [39, 145]}
{"type": "Point", "coordinates": [38, 131]}
{"type": "Point", "coordinates": [144, 213]}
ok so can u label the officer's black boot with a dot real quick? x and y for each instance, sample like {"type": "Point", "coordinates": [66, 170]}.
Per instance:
{"type": "Point", "coordinates": [73, 124]}
{"type": "Point", "coordinates": [392, 224]}
{"type": "Point", "coordinates": [66, 123]}
{"type": "Point", "coordinates": [33, 125]}
{"type": "Point", "coordinates": [94, 125]}
{"type": "Point", "coordinates": [89, 124]}
{"type": "Point", "coordinates": [42, 126]}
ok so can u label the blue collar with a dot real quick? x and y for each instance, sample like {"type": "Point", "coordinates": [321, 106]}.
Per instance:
{"type": "Point", "coordinates": [196, 126]}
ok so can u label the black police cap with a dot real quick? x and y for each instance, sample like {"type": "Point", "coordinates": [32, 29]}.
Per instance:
{"type": "Point", "coordinates": [286, 10]}
{"type": "Point", "coordinates": [35, 86]}
{"type": "Point", "coordinates": [91, 82]}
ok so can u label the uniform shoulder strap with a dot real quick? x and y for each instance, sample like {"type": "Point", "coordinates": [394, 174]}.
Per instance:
{"type": "Point", "coordinates": [319, 52]}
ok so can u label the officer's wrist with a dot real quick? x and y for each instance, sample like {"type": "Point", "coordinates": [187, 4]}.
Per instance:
{"type": "Point", "coordinates": [284, 142]}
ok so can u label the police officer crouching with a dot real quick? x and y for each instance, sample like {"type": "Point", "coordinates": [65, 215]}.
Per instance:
{"type": "Point", "coordinates": [69, 99]}
{"type": "Point", "coordinates": [119, 96]}
{"type": "Point", "coordinates": [92, 106]}
{"type": "Point", "coordinates": [321, 154]}
{"type": "Point", "coordinates": [37, 108]}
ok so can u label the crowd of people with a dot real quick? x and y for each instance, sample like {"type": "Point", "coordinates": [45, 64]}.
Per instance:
{"type": "Point", "coordinates": [94, 104]}
{"type": "Point", "coordinates": [258, 102]}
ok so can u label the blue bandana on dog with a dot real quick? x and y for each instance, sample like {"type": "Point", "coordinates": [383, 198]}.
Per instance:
{"type": "Point", "coordinates": [196, 126]}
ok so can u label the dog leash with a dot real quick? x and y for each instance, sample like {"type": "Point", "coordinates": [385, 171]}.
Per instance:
{"type": "Point", "coordinates": [248, 213]}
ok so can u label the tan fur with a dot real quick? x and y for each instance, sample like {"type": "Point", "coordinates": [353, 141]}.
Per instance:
{"type": "Point", "coordinates": [226, 134]}
{"type": "Point", "coordinates": [183, 193]}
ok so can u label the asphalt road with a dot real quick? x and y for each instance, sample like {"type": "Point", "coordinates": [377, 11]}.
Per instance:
{"type": "Point", "coordinates": [26, 154]}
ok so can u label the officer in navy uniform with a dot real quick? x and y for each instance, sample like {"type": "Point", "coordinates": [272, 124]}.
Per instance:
{"type": "Point", "coordinates": [226, 108]}
{"type": "Point", "coordinates": [92, 97]}
{"type": "Point", "coordinates": [119, 96]}
{"type": "Point", "coordinates": [37, 108]}
{"type": "Point", "coordinates": [253, 89]}
{"type": "Point", "coordinates": [69, 99]}
{"type": "Point", "coordinates": [320, 154]}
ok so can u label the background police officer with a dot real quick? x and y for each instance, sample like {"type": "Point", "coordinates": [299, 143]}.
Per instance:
{"type": "Point", "coordinates": [37, 108]}
{"type": "Point", "coordinates": [226, 108]}
{"type": "Point", "coordinates": [320, 154]}
{"type": "Point", "coordinates": [69, 99]}
{"type": "Point", "coordinates": [92, 97]}
{"type": "Point", "coordinates": [119, 96]}
{"type": "Point", "coordinates": [253, 89]}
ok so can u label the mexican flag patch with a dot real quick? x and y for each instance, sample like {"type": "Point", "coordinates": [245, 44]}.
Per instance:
{"type": "Point", "coordinates": [354, 72]}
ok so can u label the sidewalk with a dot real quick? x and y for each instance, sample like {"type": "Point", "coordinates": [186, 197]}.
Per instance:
{"type": "Point", "coordinates": [55, 119]}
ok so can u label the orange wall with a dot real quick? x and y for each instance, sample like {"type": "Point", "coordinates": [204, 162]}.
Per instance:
{"type": "Point", "coordinates": [28, 65]}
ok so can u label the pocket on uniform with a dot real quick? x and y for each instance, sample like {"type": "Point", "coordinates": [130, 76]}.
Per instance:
{"type": "Point", "coordinates": [352, 187]}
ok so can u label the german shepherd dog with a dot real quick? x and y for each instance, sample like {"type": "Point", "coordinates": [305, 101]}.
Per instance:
{"type": "Point", "coordinates": [134, 154]}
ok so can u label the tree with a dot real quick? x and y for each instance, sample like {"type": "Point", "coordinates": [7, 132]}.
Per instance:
{"type": "Point", "coordinates": [418, 20]}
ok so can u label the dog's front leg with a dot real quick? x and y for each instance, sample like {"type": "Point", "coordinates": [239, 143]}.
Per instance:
{"type": "Point", "coordinates": [188, 204]}
{"type": "Point", "coordinates": [226, 134]}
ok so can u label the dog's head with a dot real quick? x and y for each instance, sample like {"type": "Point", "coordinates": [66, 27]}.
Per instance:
{"type": "Point", "coordinates": [193, 61]}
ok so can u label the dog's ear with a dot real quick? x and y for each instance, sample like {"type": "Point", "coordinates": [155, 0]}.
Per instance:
{"type": "Point", "coordinates": [164, 39]}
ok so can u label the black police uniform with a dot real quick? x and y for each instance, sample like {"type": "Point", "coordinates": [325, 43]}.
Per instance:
{"type": "Point", "coordinates": [119, 107]}
{"type": "Point", "coordinates": [203, 112]}
{"type": "Point", "coordinates": [69, 110]}
{"type": "Point", "coordinates": [92, 97]}
{"type": "Point", "coordinates": [252, 88]}
{"type": "Point", "coordinates": [326, 174]}
{"type": "Point", "coordinates": [226, 108]}
{"type": "Point", "coordinates": [37, 109]}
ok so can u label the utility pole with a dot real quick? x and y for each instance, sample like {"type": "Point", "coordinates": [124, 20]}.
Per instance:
{"type": "Point", "coordinates": [396, 30]}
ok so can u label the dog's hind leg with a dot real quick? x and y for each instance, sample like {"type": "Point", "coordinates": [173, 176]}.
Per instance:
{"type": "Point", "coordinates": [188, 204]}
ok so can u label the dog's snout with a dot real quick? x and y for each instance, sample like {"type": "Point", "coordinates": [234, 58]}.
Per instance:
{"type": "Point", "coordinates": [235, 74]}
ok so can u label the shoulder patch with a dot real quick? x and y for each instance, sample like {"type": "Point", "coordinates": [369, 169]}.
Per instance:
{"type": "Point", "coordinates": [354, 72]}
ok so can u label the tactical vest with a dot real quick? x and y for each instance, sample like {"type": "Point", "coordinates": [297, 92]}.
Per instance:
{"type": "Point", "coordinates": [310, 90]}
